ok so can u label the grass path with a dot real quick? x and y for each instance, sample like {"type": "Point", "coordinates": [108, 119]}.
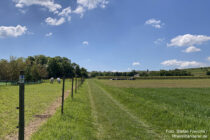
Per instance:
{"type": "Point", "coordinates": [116, 120]}
{"type": "Point", "coordinates": [94, 114]}
{"type": "Point", "coordinates": [74, 124]}
{"type": "Point", "coordinates": [123, 108]}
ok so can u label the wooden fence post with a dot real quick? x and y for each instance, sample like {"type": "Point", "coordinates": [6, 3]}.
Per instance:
{"type": "Point", "coordinates": [21, 106]}
{"type": "Point", "coordinates": [63, 95]}
{"type": "Point", "coordinates": [76, 85]}
{"type": "Point", "coordinates": [72, 88]}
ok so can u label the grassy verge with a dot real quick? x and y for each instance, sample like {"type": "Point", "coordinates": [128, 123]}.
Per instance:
{"type": "Point", "coordinates": [166, 108]}
{"type": "Point", "coordinates": [75, 123]}
{"type": "Point", "coordinates": [37, 98]}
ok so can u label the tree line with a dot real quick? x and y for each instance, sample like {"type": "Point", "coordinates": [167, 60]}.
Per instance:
{"type": "Point", "coordinates": [176, 72]}
{"type": "Point", "coordinates": [39, 67]}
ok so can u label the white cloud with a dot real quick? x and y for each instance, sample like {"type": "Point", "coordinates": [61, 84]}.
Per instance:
{"type": "Point", "coordinates": [115, 71]}
{"type": "Point", "coordinates": [188, 40]}
{"type": "Point", "coordinates": [54, 22]}
{"type": "Point", "coordinates": [135, 63]}
{"type": "Point", "coordinates": [159, 41]}
{"type": "Point", "coordinates": [50, 4]}
{"type": "Point", "coordinates": [12, 31]}
{"type": "Point", "coordinates": [49, 34]}
{"type": "Point", "coordinates": [84, 5]}
{"type": "Point", "coordinates": [91, 4]}
{"type": "Point", "coordinates": [81, 7]}
{"type": "Point", "coordinates": [85, 43]}
{"type": "Point", "coordinates": [66, 13]}
{"type": "Point", "coordinates": [182, 64]}
{"type": "Point", "coordinates": [154, 23]}
{"type": "Point", "coordinates": [79, 10]}
{"type": "Point", "coordinates": [208, 58]}
{"type": "Point", "coordinates": [192, 49]}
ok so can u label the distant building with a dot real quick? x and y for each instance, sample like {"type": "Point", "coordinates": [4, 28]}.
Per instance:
{"type": "Point", "coordinates": [137, 75]}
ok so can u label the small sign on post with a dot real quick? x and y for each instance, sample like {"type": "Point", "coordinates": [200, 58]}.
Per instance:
{"type": "Point", "coordinates": [21, 106]}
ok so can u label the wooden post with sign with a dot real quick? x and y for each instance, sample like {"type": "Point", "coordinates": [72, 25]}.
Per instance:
{"type": "Point", "coordinates": [21, 106]}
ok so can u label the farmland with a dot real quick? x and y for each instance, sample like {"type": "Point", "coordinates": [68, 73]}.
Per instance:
{"type": "Point", "coordinates": [165, 108]}
{"type": "Point", "coordinates": [182, 83]}
{"type": "Point", "coordinates": [105, 111]}
{"type": "Point", "coordinates": [198, 71]}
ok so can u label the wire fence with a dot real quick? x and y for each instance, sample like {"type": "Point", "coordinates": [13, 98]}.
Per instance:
{"type": "Point", "coordinates": [15, 83]}
{"type": "Point", "coordinates": [35, 97]}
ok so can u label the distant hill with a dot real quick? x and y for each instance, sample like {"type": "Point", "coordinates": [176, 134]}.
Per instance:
{"type": "Point", "coordinates": [198, 71]}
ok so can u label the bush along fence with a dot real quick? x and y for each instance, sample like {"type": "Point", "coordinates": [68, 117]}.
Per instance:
{"type": "Point", "coordinates": [21, 106]}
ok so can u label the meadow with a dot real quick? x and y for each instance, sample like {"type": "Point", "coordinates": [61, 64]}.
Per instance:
{"type": "Point", "coordinates": [37, 98]}
{"type": "Point", "coordinates": [164, 83]}
{"type": "Point", "coordinates": [120, 110]}
{"type": "Point", "coordinates": [105, 109]}
{"type": "Point", "coordinates": [198, 71]}
{"type": "Point", "coordinates": [164, 108]}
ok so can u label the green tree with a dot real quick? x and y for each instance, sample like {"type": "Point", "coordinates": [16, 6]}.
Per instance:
{"type": "Point", "coordinates": [84, 73]}
{"type": "Point", "coordinates": [78, 71]}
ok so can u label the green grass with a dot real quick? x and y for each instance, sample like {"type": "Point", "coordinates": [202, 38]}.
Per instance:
{"type": "Point", "coordinates": [198, 71]}
{"type": "Point", "coordinates": [176, 83]}
{"type": "Point", "coordinates": [37, 98]}
{"type": "Point", "coordinates": [93, 115]}
{"type": "Point", "coordinates": [166, 108]}
{"type": "Point", "coordinates": [115, 111]}
{"type": "Point", "coordinates": [75, 123]}
{"type": "Point", "coordinates": [5, 83]}
{"type": "Point", "coordinates": [115, 122]}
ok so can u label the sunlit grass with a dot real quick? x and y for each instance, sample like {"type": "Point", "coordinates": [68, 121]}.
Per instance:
{"type": "Point", "coordinates": [166, 108]}
{"type": "Point", "coordinates": [75, 123]}
{"type": "Point", "coordinates": [37, 98]}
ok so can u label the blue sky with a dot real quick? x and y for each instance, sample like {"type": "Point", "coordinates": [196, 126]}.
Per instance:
{"type": "Point", "coordinates": [109, 35]}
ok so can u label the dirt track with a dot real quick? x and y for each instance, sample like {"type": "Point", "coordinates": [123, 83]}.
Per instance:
{"type": "Point", "coordinates": [39, 119]}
